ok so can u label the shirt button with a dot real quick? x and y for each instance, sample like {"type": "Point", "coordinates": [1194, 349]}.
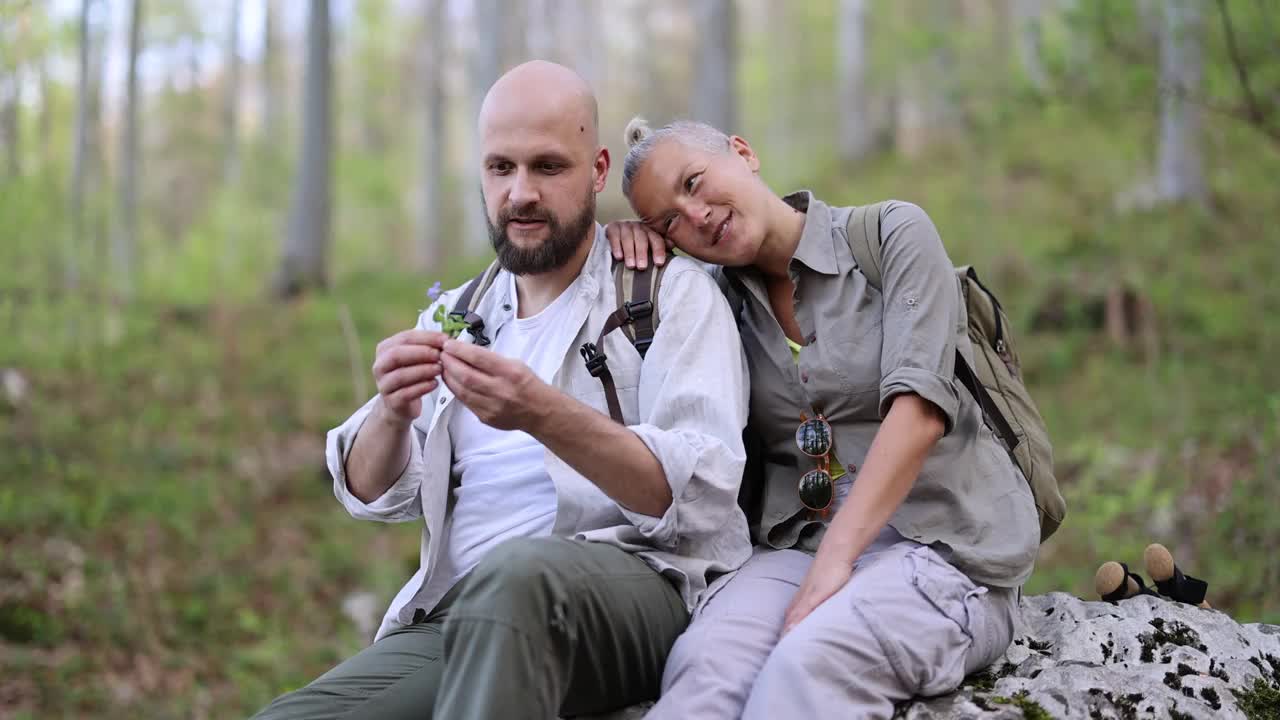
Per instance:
{"type": "Point", "coordinates": [444, 400]}
{"type": "Point", "coordinates": [507, 307]}
{"type": "Point", "coordinates": [812, 337]}
{"type": "Point", "coordinates": [804, 377]}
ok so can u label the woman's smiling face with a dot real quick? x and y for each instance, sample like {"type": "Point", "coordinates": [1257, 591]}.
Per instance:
{"type": "Point", "coordinates": [708, 204]}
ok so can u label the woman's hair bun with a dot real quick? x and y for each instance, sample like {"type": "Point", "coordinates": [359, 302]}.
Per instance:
{"type": "Point", "coordinates": [637, 130]}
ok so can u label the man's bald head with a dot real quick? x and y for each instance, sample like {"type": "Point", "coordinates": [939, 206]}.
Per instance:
{"type": "Point", "coordinates": [541, 95]}
{"type": "Point", "coordinates": [542, 166]}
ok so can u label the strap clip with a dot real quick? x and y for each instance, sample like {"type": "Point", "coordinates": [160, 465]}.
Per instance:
{"type": "Point", "coordinates": [597, 361]}
{"type": "Point", "coordinates": [475, 326]}
{"type": "Point", "coordinates": [637, 310]}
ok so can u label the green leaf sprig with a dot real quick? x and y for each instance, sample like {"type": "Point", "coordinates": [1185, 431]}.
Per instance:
{"type": "Point", "coordinates": [452, 325]}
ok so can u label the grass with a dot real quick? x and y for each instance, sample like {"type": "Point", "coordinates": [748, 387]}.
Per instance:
{"type": "Point", "coordinates": [168, 525]}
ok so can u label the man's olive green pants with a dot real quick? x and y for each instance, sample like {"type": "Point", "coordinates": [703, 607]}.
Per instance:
{"type": "Point", "coordinates": [542, 627]}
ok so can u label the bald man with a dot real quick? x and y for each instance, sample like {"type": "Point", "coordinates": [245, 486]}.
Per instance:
{"type": "Point", "coordinates": [562, 551]}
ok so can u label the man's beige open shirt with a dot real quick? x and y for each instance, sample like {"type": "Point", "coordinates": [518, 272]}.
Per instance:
{"type": "Point", "coordinates": [687, 403]}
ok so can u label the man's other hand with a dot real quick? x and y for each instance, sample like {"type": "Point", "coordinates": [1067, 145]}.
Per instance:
{"type": "Point", "coordinates": [407, 366]}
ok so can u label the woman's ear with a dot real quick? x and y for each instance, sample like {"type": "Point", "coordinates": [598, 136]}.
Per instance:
{"type": "Point", "coordinates": [740, 147]}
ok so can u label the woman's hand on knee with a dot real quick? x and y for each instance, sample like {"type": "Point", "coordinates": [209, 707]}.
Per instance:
{"type": "Point", "coordinates": [826, 576]}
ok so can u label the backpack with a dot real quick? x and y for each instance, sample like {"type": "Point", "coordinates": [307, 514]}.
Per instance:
{"type": "Point", "coordinates": [996, 382]}
{"type": "Point", "coordinates": [637, 315]}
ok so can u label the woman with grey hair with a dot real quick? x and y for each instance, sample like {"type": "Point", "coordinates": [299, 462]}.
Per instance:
{"type": "Point", "coordinates": [894, 530]}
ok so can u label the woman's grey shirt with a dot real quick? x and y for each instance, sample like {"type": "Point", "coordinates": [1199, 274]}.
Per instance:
{"type": "Point", "coordinates": [863, 348]}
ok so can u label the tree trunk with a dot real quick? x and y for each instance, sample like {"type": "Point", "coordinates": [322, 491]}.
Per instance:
{"type": "Point", "coordinates": [645, 89]}
{"type": "Point", "coordinates": [513, 31]}
{"type": "Point", "coordinates": [582, 39]}
{"type": "Point", "coordinates": [1079, 31]}
{"type": "Point", "coordinates": [485, 67]}
{"type": "Point", "coordinates": [431, 225]}
{"type": "Point", "coordinates": [231, 99]}
{"type": "Point", "coordinates": [715, 82]}
{"type": "Point", "coordinates": [1180, 170]}
{"type": "Point", "coordinates": [97, 203]}
{"type": "Point", "coordinates": [540, 30]}
{"type": "Point", "coordinates": [10, 123]}
{"type": "Point", "coordinates": [851, 52]}
{"type": "Point", "coordinates": [80, 160]}
{"type": "Point", "coordinates": [306, 245]}
{"type": "Point", "coordinates": [923, 111]}
{"type": "Point", "coordinates": [1028, 38]}
{"type": "Point", "coordinates": [44, 122]}
{"type": "Point", "coordinates": [374, 67]}
{"type": "Point", "coordinates": [271, 84]}
{"type": "Point", "coordinates": [125, 239]}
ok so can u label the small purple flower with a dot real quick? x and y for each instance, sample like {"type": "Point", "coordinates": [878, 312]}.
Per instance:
{"type": "Point", "coordinates": [434, 291]}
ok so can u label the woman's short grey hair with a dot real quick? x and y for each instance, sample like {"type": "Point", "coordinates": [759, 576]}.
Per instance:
{"type": "Point", "coordinates": [642, 139]}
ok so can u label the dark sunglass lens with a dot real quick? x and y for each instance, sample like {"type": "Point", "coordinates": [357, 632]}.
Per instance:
{"type": "Point", "coordinates": [816, 489]}
{"type": "Point", "coordinates": [814, 437]}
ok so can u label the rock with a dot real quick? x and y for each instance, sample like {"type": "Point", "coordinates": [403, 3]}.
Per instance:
{"type": "Point", "coordinates": [15, 386]}
{"type": "Point", "coordinates": [364, 610]}
{"type": "Point", "coordinates": [1139, 658]}
{"type": "Point", "coordinates": [1143, 657]}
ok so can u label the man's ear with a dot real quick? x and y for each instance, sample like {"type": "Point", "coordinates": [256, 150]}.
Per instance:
{"type": "Point", "coordinates": [601, 169]}
{"type": "Point", "coordinates": [740, 147]}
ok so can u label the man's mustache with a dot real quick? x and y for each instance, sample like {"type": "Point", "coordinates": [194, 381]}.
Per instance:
{"type": "Point", "coordinates": [525, 216]}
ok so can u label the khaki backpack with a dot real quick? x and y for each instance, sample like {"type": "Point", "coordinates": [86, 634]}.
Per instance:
{"type": "Point", "coordinates": [637, 315]}
{"type": "Point", "coordinates": [997, 382]}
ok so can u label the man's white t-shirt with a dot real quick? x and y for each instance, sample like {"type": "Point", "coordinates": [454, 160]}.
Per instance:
{"type": "Point", "coordinates": [505, 491]}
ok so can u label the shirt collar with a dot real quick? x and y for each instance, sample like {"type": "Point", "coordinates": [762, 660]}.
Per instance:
{"type": "Point", "coordinates": [817, 246]}
{"type": "Point", "coordinates": [599, 261]}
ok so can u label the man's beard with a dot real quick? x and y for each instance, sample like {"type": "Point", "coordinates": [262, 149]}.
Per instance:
{"type": "Point", "coordinates": [562, 243]}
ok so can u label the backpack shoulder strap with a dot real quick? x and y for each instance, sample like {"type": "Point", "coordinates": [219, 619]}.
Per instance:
{"type": "Point", "coordinates": [862, 232]}
{"type": "Point", "coordinates": [469, 300]}
{"type": "Point", "coordinates": [863, 235]}
{"type": "Point", "coordinates": [637, 314]}
{"type": "Point", "coordinates": [637, 287]}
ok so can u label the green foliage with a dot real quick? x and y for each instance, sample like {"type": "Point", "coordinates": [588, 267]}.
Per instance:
{"type": "Point", "coordinates": [1031, 710]}
{"type": "Point", "coordinates": [451, 325]}
{"type": "Point", "coordinates": [1260, 701]}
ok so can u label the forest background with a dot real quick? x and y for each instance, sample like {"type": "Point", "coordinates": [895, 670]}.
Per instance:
{"type": "Point", "coordinates": [211, 211]}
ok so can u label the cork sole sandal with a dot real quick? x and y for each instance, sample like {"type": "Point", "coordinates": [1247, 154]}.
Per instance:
{"type": "Point", "coordinates": [1172, 582]}
{"type": "Point", "coordinates": [1114, 582]}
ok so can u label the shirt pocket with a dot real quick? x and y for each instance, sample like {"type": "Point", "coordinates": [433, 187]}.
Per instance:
{"type": "Point", "coordinates": [624, 368]}
{"type": "Point", "coordinates": [855, 359]}
{"type": "Point", "coordinates": [856, 336]}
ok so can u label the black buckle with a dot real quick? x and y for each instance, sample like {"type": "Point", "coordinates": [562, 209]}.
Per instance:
{"type": "Point", "coordinates": [597, 362]}
{"type": "Point", "coordinates": [475, 327]}
{"type": "Point", "coordinates": [637, 310]}
{"type": "Point", "coordinates": [642, 345]}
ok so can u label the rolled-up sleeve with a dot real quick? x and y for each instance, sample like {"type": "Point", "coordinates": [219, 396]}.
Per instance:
{"type": "Point", "coordinates": [922, 312]}
{"type": "Point", "coordinates": [401, 502]}
{"type": "Point", "coordinates": [693, 407]}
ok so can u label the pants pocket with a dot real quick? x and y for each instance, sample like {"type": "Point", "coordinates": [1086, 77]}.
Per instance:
{"type": "Point", "coordinates": [965, 604]}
